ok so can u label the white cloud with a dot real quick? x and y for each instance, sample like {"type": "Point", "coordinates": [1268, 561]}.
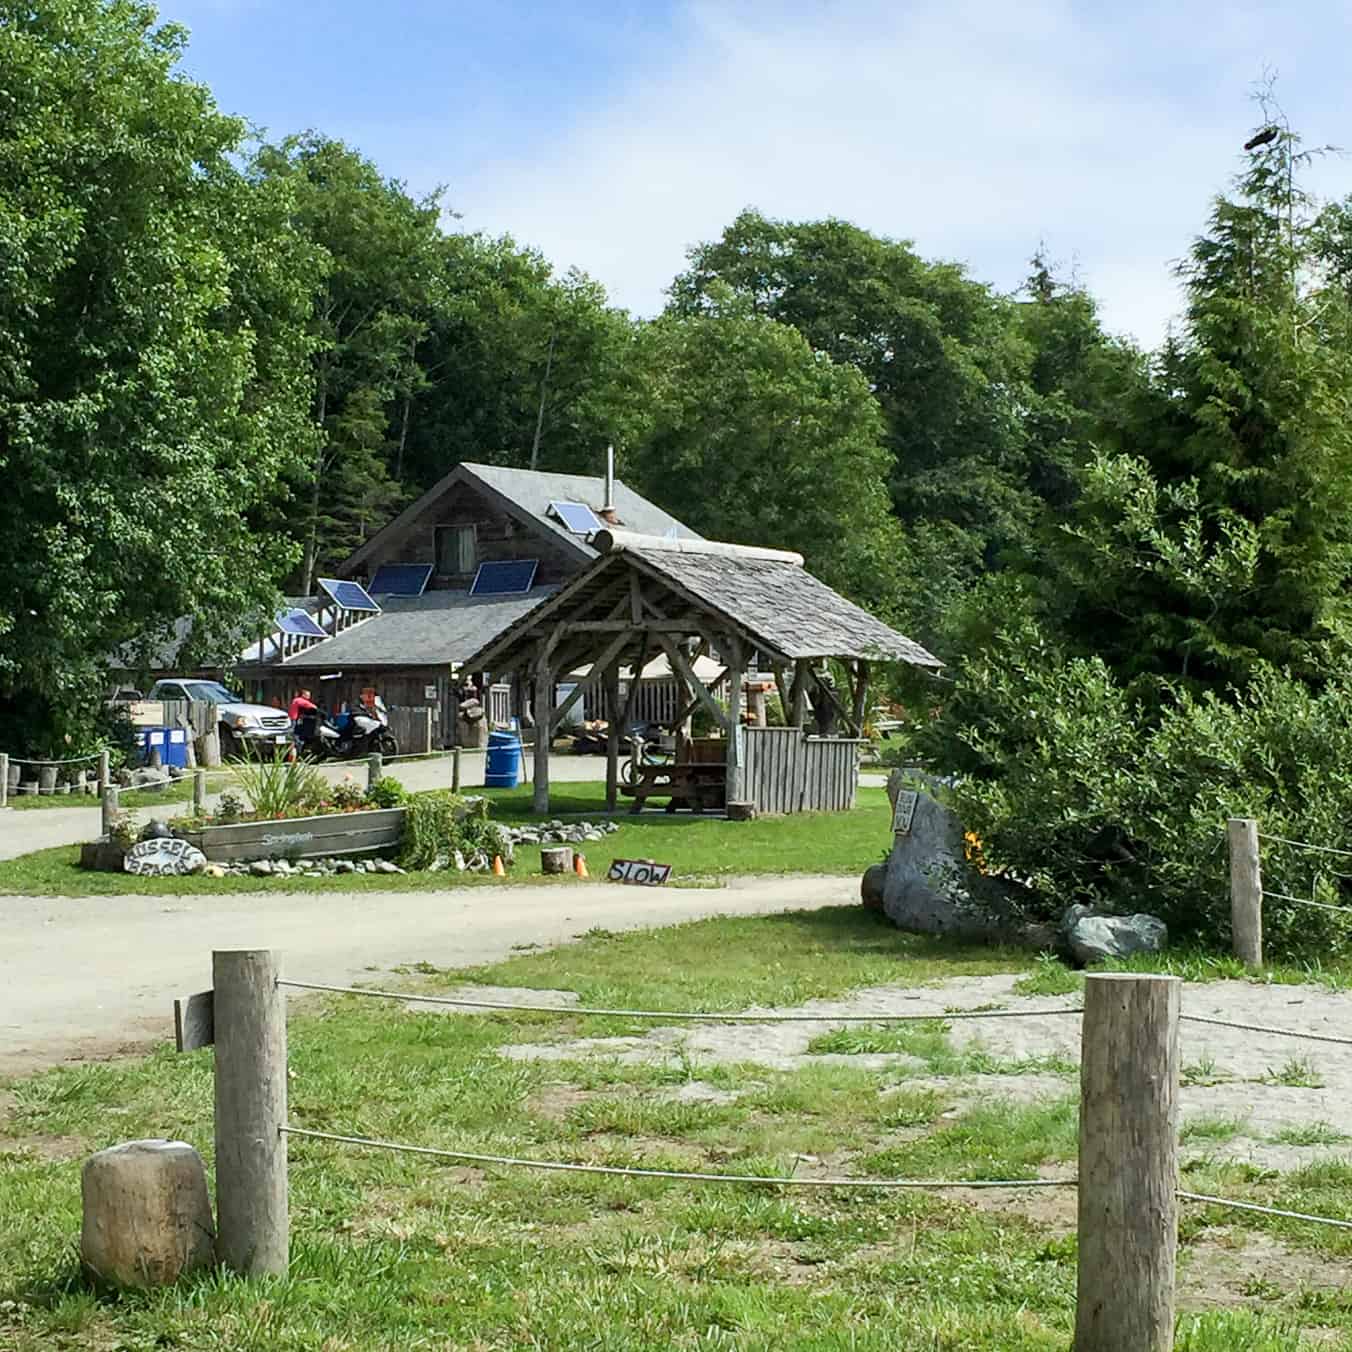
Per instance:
{"type": "Point", "coordinates": [975, 128]}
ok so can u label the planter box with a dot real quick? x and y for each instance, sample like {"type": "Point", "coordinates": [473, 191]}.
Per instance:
{"type": "Point", "coordinates": [102, 855]}
{"type": "Point", "coordinates": [302, 837]}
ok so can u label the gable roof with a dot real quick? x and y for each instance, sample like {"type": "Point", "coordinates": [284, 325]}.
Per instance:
{"type": "Point", "coordinates": [437, 628]}
{"type": "Point", "coordinates": [526, 494]}
{"type": "Point", "coordinates": [768, 598]}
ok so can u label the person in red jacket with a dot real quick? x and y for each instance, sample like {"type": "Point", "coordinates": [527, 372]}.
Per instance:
{"type": "Point", "coordinates": [300, 706]}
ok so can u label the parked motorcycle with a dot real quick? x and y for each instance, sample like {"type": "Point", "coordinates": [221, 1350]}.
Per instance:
{"type": "Point", "coordinates": [347, 736]}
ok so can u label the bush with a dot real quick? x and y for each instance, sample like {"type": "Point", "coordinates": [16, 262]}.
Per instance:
{"type": "Point", "coordinates": [385, 793]}
{"type": "Point", "coordinates": [439, 822]}
{"type": "Point", "coordinates": [1096, 795]}
{"type": "Point", "coordinates": [280, 786]}
{"type": "Point", "coordinates": [347, 796]}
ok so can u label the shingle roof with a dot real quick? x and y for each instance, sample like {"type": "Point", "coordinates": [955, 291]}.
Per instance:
{"type": "Point", "coordinates": [785, 608]}
{"type": "Point", "coordinates": [775, 603]}
{"type": "Point", "coordinates": [434, 629]}
{"type": "Point", "coordinates": [530, 492]}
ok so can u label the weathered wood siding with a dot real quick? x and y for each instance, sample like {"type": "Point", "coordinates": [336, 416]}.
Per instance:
{"type": "Point", "coordinates": [414, 729]}
{"type": "Point", "coordinates": [302, 837]}
{"type": "Point", "coordinates": [787, 772]}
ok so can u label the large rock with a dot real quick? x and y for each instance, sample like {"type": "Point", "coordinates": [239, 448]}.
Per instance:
{"type": "Point", "coordinates": [147, 1216]}
{"type": "Point", "coordinates": [1092, 937]}
{"type": "Point", "coordinates": [926, 888]}
{"type": "Point", "coordinates": [871, 886]}
{"type": "Point", "coordinates": [164, 857]}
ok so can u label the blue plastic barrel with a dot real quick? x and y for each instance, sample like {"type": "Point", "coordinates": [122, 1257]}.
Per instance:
{"type": "Point", "coordinates": [503, 765]}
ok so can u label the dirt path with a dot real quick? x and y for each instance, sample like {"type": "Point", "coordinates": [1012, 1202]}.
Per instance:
{"type": "Point", "coordinates": [1264, 1089]}
{"type": "Point", "coordinates": [91, 977]}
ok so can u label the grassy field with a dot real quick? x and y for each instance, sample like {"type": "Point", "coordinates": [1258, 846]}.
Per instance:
{"type": "Point", "coordinates": [701, 849]}
{"type": "Point", "coordinates": [392, 1251]}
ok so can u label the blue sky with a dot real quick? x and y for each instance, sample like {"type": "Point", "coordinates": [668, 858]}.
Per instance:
{"type": "Point", "coordinates": [613, 136]}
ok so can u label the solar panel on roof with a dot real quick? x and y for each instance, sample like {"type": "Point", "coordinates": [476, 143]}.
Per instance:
{"type": "Point", "coordinates": [298, 622]}
{"type": "Point", "coordinates": [577, 517]}
{"type": "Point", "coordinates": [504, 579]}
{"type": "Point", "coordinates": [349, 595]}
{"type": "Point", "coordinates": [400, 579]}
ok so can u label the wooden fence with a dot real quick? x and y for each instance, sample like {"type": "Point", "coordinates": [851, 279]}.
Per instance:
{"type": "Point", "coordinates": [787, 772]}
{"type": "Point", "coordinates": [414, 729]}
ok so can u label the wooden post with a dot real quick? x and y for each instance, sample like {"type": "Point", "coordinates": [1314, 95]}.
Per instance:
{"type": "Point", "coordinates": [1128, 1206]}
{"type": "Point", "coordinates": [105, 771]}
{"type": "Point", "coordinates": [211, 748]}
{"type": "Point", "coordinates": [455, 769]}
{"type": "Point", "coordinates": [199, 793]}
{"type": "Point", "coordinates": [251, 1193]}
{"type": "Point", "coordinates": [4, 779]}
{"type": "Point", "coordinates": [374, 769]}
{"type": "Point", "coordinates": [612, 702]}
{"type": "Point", "coordinates": [1246, 892]}
{"type": "Point", "coordinates": [108, 803]}
{"type": "Point", "coordinates": [541, 704]}
{"type": "Point", "coordinates": [736, 677]}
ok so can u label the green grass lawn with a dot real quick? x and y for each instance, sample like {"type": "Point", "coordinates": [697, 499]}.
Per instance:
{"type": "Point", "coordinates": [700, 849]}
{"type": "Point", "coordinates": [397, 1252]}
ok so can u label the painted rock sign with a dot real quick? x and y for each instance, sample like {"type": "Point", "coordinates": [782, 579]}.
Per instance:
{"type": "Point", "coordinates": [163, 857]}
{"type": "Point", "coordinates": [641, 871]}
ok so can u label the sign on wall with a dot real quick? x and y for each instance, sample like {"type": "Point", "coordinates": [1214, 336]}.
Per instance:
{"type": "Point", "coordinates": [641, 871]}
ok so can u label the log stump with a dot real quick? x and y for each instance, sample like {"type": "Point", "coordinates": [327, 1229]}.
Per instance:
{"type": "Point", "coordinates": [556, 859]}
{"type": "Point", "coordinates": [147, 1216]}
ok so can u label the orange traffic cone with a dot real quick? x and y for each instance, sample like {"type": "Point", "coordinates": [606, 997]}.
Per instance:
{"type": "Point", "coordinates": [580, 864]}
{"type": "Point", "coordinates": [498, 870]}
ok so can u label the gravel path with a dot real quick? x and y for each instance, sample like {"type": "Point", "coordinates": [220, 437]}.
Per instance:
{"type": "Point", "coordinates": [96, 976]}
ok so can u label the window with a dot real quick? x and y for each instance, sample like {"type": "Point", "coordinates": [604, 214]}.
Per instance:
{"type": "Point", "coordinates": [457, 550]}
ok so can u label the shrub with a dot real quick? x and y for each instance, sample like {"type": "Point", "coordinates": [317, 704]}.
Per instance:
{"type": "Point", "coordinates": [347, 796]}
{"type": "Point", "coordinates": [385, 793]}
{"type": "Point", "coordinates": [439, 822]}
{"type": "Point", "coordinates": [1095, 794]}
{"type": "Point", "coordinates": [280, 785]}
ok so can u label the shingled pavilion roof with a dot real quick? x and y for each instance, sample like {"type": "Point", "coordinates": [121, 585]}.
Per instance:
{"type": "Point", "coordinates": [765, 597]}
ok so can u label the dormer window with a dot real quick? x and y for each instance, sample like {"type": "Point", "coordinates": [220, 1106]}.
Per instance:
{"type": "Point", "coordinates": [457, 550]}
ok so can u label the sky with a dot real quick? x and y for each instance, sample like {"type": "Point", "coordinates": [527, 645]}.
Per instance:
{"type": "Point", "coordinates": [614, 136]}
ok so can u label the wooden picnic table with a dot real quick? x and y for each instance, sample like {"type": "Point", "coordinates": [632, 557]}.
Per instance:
{"type": "Point", "coordinates": [700, 786]}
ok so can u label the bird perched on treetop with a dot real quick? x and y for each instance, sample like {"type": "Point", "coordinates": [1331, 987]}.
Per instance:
{"type": "Point", "coordinates": [1265, 136]}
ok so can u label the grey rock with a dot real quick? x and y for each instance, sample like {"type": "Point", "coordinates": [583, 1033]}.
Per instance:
{"type": "Point", "coordinates": [460, 864]}
{"type": "Point", "coordinates": [261, 868]}
{"type": "Point", "coordinates": [282, 866]}
{"type": "Point", "coordinates": [385, 866]}
{"type": "Point", "coordinates": [1092, 937]}
{"type": "Point", "coordinates": [871, 886]}
{"type": "Point", "coordinates": [344, 866]}
{"type": "Point", "coordinates": [162, 857]}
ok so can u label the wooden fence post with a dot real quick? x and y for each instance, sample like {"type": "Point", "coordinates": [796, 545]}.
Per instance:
{"type": "Point", "coordinates": [374, 769]}
{"type": "Point", "coordinates": [455, 769]}
{"type": "Point", "coordinates": [252, 1227]}
{"type": "Point", "coordinates": [1246, 892]}
{"type": "Point", "coordinates": [199, 792]}
{"type": "Point", "coordinates": [4, 779]}
{"type": "Point", "coordinates": [108, 803]}
{"type": "Point", "coordinates": [105, 771]}
{"type": "Point", "coordinates": [210, 752]}
{"type": "Point", "coordinates": [1128, 1204]}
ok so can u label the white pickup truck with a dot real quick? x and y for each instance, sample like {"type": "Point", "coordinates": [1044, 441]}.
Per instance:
{"type": "Point", "coordinates": [256, 725]}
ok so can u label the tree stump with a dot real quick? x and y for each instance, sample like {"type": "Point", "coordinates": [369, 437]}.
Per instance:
{"type": "Point", "coordinates": [147, 1216]}
{"type": "Point", "coordinates": [556, 859]}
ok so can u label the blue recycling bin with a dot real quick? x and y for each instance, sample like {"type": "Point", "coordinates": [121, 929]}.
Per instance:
{"type": "Point", "coordinates": [502, 767]}
{"type": "Point", "coordinates": [171, 743]}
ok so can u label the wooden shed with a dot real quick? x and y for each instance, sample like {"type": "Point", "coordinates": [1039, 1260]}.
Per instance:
{"type": "Point", "coordinates": [683, 598]}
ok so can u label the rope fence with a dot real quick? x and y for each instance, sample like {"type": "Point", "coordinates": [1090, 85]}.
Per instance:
{"type": "Point", "coordinates": [69, 760]}
{"type": "Point", "coordinates": [1129, 1131]}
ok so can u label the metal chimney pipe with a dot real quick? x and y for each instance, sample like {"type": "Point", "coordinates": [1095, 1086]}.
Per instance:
{"type": "Point", "coordinates": [610, 480]}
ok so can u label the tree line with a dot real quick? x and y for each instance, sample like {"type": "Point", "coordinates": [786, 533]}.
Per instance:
{"type": "Point", "coordinates": [224, 363]}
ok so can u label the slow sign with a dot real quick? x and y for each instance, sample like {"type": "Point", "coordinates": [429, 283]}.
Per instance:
{"type": "Point", "coordinates": [641, 871]}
